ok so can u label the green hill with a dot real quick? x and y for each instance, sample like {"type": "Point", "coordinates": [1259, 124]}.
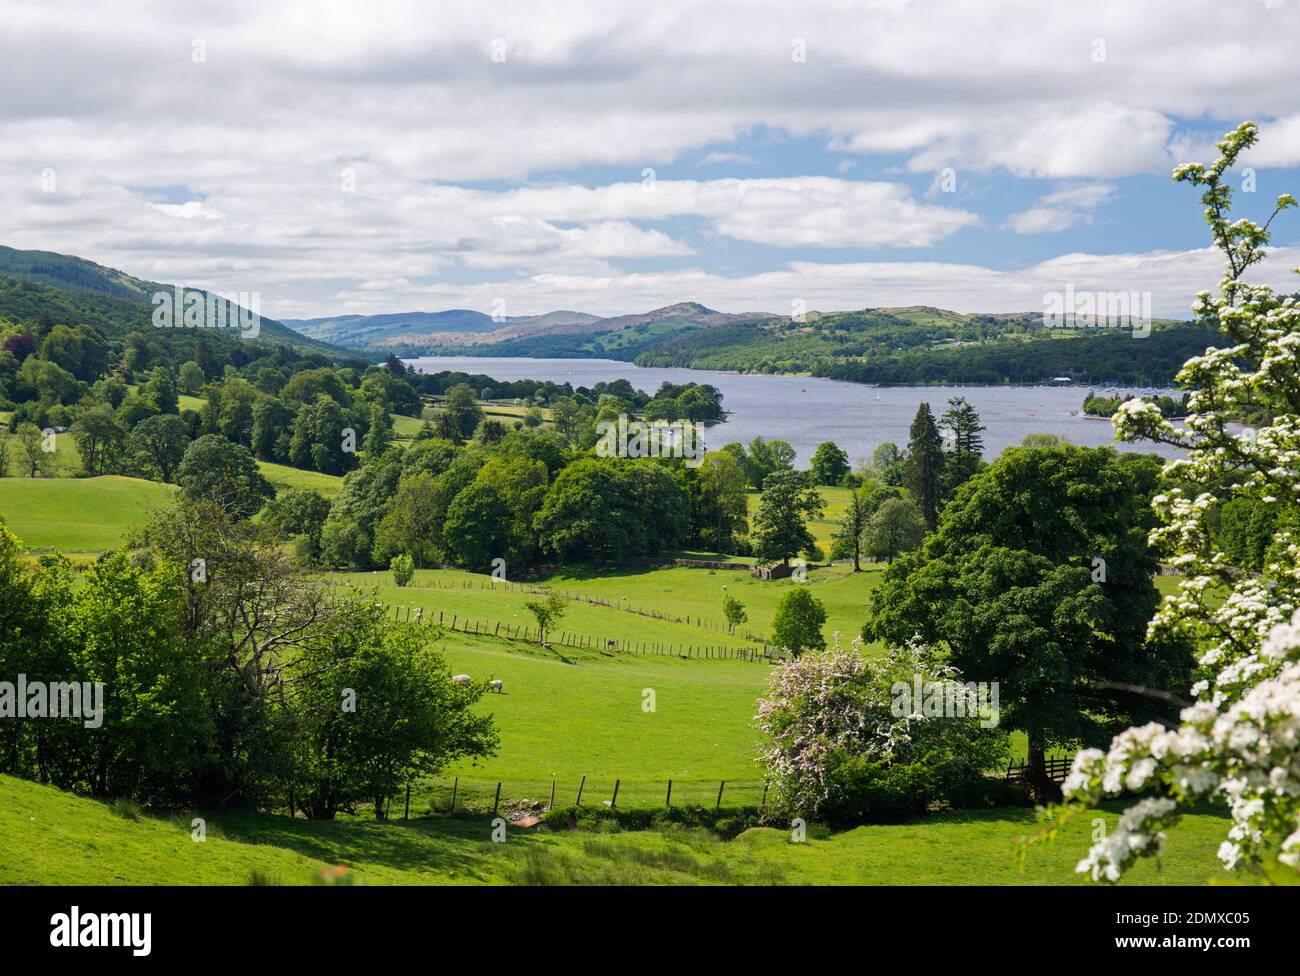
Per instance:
{"type": "Point", "coordinates": [78, 515]}
{"type": "Point", "coordinates": [72, 290]}
{"type": "Point", "coordinates": [923, 345]}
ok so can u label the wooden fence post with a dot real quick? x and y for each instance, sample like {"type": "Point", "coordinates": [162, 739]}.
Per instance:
{"type": "Point", "coordinates": [614, 802]}
{"type": "Point", "coordinates": [454, 786]}
{"type": "Point", "coordinates": [407, 814]}
{"type": "Point", "coordinates": [580, 786]}
{"type": "Point", "coordinates": [497, 802]}
{"type": "Point", "coordinates": [720, 786]}
{"type": "Point", "coordinates": [668, 800]}
{"type": "Point", "coordinates": [552, 803]}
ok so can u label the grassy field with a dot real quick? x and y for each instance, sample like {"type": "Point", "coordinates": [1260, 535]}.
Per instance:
{"type": "Point", "coordinates": [50, 837]}
{"type": "Point", "coordinates": [405, 427]}
{"type": "Point", "coordinates": [571, 714]}
{"type": "Point", "coordinates": [78, 515]}
{"type": "Point", "coordinates": [284, 478]}
{"type": "Point", "coordinates": [682, 597]}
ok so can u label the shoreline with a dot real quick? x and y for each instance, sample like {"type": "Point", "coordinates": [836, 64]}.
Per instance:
{"type": "Point", "coordinates": [801, 375]}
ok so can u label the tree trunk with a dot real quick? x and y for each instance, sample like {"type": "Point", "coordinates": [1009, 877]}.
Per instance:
{"type": "Point", "coordinates": [1044, 790]}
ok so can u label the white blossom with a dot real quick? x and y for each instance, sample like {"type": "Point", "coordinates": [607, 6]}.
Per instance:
{"type": "Point", "coordinates": [1240, 740]}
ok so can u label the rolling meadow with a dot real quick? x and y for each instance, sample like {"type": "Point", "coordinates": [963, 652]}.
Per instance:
{"type": "Point", "coordinates": [643, 683]}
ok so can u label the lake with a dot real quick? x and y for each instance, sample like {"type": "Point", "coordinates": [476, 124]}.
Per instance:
{"type": "Point", "coordinates": [805, 411]}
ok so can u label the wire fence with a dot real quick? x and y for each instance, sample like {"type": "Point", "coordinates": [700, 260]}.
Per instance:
{"type": "Point", "coordinates": [622, 604]}
{"type": "Point", "coordinates": [564, 638]}
{"type": "Point", "coordinates": [487, 795]}
{"type": "Point", "coordinates": [521, 796]}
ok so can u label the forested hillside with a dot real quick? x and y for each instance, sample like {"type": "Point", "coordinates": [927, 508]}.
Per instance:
{"type": "Point", "coordinates": [60, 289]}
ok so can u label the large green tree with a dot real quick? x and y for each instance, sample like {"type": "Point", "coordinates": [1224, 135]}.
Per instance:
{"type": "Point", "coordinates": [1040, 578]}
{"type": "Point", "coordinates": [100, 439]}
{"type": "Point", "coordinates": [383, 712]}
{"type": "Point", "coordinates": [158, 444]}
{"type": "Point", "coordinates": [721, 500]}
{"type": "Point", "coordinates": [780, 526]}
{"type": "Point", "coordinates": [477, 528]}
{"type": "Point", "coordinates": [215, 469]}
{"type": "Point", "coordinates": [962, 429]}
{"type": "Point", "coordinates": [923, 469]}
{"type": "Point", "coordinates": [896, 527]}
{"type": "Point", "coordinates": [864, 500]}
{"type": "Point", "coordinates": [829, 464]}
{"type": "Point", "coordinates": [463, 410]}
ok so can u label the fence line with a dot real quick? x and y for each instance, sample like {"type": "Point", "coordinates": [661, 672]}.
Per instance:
{"type": "Point", "coordinates": [697, 620]}
{"type": "Point", "coordinates": [565, 638]}
{"type": "Point", "coordinates": [1055, 768]}
{"type": "Point", "coordinates": [649, 794]}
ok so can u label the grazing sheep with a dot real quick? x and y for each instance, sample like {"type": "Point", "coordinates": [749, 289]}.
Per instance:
{"type": "Point", "coordinates": [610, 642]}
{"type": "Point", "coordinates": [461, 679]}
{"type": "Point", "coordinates": [495, 685]}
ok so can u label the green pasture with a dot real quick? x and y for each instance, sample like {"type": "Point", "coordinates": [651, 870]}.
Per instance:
{"type": "Point", "coordinates": [78, 515]}
{"type": "Point", "coordinates": [55, 838]}
{"type": "Point", "coordinates": [284, 478]}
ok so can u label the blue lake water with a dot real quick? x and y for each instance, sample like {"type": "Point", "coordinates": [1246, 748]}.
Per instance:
{"type": "Point", "coordinates": [805, 411]}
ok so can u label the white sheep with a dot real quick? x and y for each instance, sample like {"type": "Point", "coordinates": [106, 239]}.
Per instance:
{"type": "Point", "coordinates": [461, 679]}
{"type": "Point", "coordinates": [495, 685]}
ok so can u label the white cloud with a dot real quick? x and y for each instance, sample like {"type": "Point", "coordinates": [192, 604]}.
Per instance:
{"type": "Point", "coordinates": [722, 158]}
{"type": "Point", "coordinates": [189, 210]}
{"type": "Point", "coordinates": [811, 211]}
{"type": "Point", "coordinates": [1060, 209]}
{"type": "Point", "coordinates": [257, 135]}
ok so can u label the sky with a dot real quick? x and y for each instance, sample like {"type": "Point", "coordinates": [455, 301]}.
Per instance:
{"type": "Point", "coordinates": [612, 157]}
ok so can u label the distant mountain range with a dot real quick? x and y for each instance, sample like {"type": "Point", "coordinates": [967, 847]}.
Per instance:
{"type": "Point", "coordinates": [374, 331]}
{"type": "Point", "coordinates": [416, 332]}
{"type": "Point", "coordinates": [915, 345]}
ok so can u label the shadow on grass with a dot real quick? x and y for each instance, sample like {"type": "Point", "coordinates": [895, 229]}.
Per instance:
{"type": "Point", "coordinates": [442, 845]}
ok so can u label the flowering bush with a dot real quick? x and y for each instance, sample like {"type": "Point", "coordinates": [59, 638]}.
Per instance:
{"type": "Point", "coordinates": [1238, 741]}
{"type": "Point", "coordinates": [842, 750]}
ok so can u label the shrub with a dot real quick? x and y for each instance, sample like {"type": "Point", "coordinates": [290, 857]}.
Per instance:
{"type": "Point", "coordinates": [403, 567]}
{"type": "Point", "coordinates": [797, 625]}
{"type": "Point", "coordinates": [842, 749]}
